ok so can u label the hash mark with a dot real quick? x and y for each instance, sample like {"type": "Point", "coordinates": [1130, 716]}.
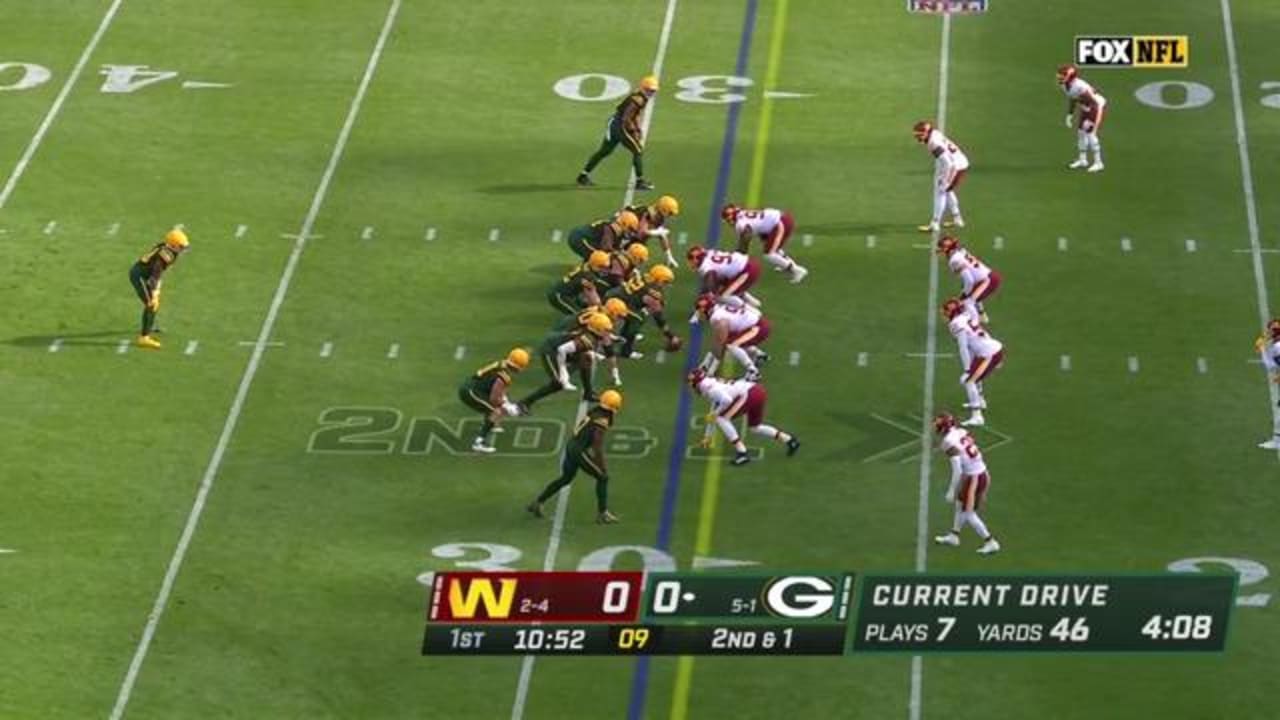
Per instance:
{"type": "Point", "coordinates": [556, 235]}
{"type": "Point", "coordinates": [1064, 363]}
{"type": "Point", "coordinates": [795, 358]}
{"type": "Point", "coordinates": [241, 230]}
{"type": "Point", "coordinates": [1126, 245]}
{"type": "Point", "coordinates": [997, 242]}
{"type": "Point", "coordinates": [122, 347]}
{"type": "Point", "coordinates": [1062, 244]}
{"type": "Point", "coordinates": [49, 228]}
{"type": "Point", "coordinates": [460, 352]}
{"type": "Point", "coordinates": [862, 359]}
{"type": "Point", "coordinates": [393, 352]}
{"type": "Point", "coordinates": [1191, 245]}
{"type": "Point", "coordinates": [807, 239]}
{"type": "Point", "coordinates": [660, 357]}
{"type": "Point", "coordinates": [682, 238]}
{"type": "Point", "coordinates": [56, 345]}
{"type": "Point", "coordinates": [191, 347]}
{"type": "Point", "coordinates": [430, 235]}
{"type": "Point", "coordinates": [493, 234]}
{"type": "Point", "coordinates": [113, 229]}
{"type": "Point", "coordinates": [367, 233]}
{"type": "Point", "coordinates": [1134, 366]}
{"type": "Point", "coordinates": [871, 241]}
{"type": "Point", "coordinates": [326, 349]}
{"type": "Point", "coordinates": [1202, 366]}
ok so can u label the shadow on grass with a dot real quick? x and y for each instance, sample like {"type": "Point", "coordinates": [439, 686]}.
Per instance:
{"type": "Point", "coordinates": [104, 337]}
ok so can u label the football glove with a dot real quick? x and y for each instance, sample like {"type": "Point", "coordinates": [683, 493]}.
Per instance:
{"type": "Point", "coordinates": [950, 496]}
{"type": "Point", "coordinates": [510, 408]}
{"type": "Point", "coordinates": [617, 377]}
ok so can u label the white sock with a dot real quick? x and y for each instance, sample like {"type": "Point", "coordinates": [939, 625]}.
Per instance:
{"type": "Point", "coordinates": [742, 357]}
{"type": "Point", "coordinates": [976, 523]}
{"type": "Point", "coordinates": [771, 432]}
{"type": "Point", "coordinates": [939, 202]}
{"type": "Point", "coordinates": [1096, 146]}
{"type": "Point", "coordinates": [730, 433]}
{"type": "Point", "coordinates": [751, 299]}
{"type": "Point", "coordinates": [1082, 145]}
{"type": "Point", "coordinates": [780, 261]}
{"type": "Point", "coordinates": [953, 204]}
{"type": "Point", "coordinates": [754, 351]}
{"type": "Point", "coordinates": [974, 395]}
{"type": "Point", "coordinates": [957, 524]}
{"type": "Point", "coordinates": [710, 363]}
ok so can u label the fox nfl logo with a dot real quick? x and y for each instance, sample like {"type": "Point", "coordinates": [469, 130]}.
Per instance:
{"type": "Point", "coordinates": [947, 7]}
{"type": "Point", "coordinates": [1139, 51]}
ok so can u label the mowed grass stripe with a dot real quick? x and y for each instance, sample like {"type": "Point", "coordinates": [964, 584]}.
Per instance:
{"type": "Point", "coordinates": [233, 416]}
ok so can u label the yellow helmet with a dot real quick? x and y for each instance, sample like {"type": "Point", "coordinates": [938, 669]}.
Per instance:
{"type": "Point", "coordinates": [660, 274]}
{"type": "Point", "coordinates": [518, 358]}
{"type": "Point", "coordinates": [611, 400]}
{"type": "Point", "coordinates": [599, 323]}
{"type": "Point", "coordinates": [627, 221]}
{"type": "Point", "coordinates": [176, 239]}
{"type": "Point", "coordinates": [598, 260]}
{"type": "Point", "coordinates": [649, 83]}
{"type": "Point", "coordinates": [667, 205]}
{"type": "Point", "coordinates": [615, 307]}
{"type": "Point", "coordinates": [638, 253]}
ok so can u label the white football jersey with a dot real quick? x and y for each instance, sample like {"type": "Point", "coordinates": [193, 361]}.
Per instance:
{"type": "Point", "coordinates": [970, 335]}
{"type": "Point", "coordinates": [1080, 90]}
{"type": "Point", "coordinates": [724, 393]}
{"type": "Point", "coordinates": [727, 265]}
{"type": "Point", "coordinates": [757, 222]}
{"type": "Point", "coordinates": [970, 269]}
{"type": "Point", "coordinates": [1271, 356]}
{"type": "Point", "coordinates": [739, 319]}
{"type": "Point", "coordinates": [960, 443]}
{"type": "Point", "coordinates": [940, 146]}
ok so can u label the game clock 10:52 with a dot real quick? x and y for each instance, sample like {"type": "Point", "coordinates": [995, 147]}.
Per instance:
{"type": "Point", "coordinates": [1179, 627]}
{"type": "Point", "coordinates": [538, 639]}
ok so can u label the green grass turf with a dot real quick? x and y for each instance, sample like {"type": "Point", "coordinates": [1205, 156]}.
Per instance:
{"type": "Point", "coordinates": [300, 593]}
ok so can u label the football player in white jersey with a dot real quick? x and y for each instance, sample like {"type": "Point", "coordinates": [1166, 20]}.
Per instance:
{"type": "Point", "coordinates": [726, 274]}
{"type": "Point", "coordinates": [980, 355]}
{"type": "Point", "coordinates": [1268, 347]}
{"type": "Point", "coordinates": [969, 483]}
{"type": "Point", "coordinates": [774, 227]}
{"type": "Point", "coordinates": [740, 329]}
{"type": "Point", "coordinates": [977, 280]}
{"type": "Point", "coordinates": [950, 167]}
{"type": "Point", "coordinates": [1091, 104]}
{"type": "Point", "coordinates": [731, 399]}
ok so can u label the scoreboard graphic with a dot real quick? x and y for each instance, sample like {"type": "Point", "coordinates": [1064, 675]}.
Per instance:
{"type": "Point", "coordinates": [822, 613]}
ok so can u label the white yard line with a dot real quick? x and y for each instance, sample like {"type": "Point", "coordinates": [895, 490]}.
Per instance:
{"type": "Point", "coordinates": [1246, 182]}
{"type": "Point", "coordinates": [54, 109]}
{"type": "Point", "coordinates": [926, 415]}
{"type": "Point", "coordinates": [562, 505]}
{"type": "Point", "coordinates": [251, 370]}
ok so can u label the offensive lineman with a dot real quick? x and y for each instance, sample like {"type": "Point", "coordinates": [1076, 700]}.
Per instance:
{"type": "Point", "coordinates": [950, 167]}
{"type": "Point", "coordinates": [725, 274]}
{"type": "Point", "coordinates": [730, 399]}
{"type": "Point", "coordinates": [739, 329]}
{"type": "Point", "coordinates": [977, 280]}
{"type": "Point", "coordinates": [774, 227]}
{"type": "Point", "coordinates": [969, 482]}
{"type": "Point", "coordinates": [980, 355]}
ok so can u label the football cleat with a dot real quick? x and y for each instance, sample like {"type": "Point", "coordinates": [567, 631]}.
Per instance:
{"type": "Point", "coordinates": [956, 221]}
{"type": "Point", "coordinates": [534, 508]}
{"type": "Point", "coordinates": [762, 357]}
{"type": "Point", "coordinates": [606, 518]}
{"type": "Point", "coordinates": [975, 420]}
{"type": "Point", "coordinates": [989, 547]}
{"type": "Point", "coordinates": [1097, 166]}
{"type": "Point", "coordinates": [635, 355]}
{"type": "Point", "coordinates": [752, 375]}
{"type": "Point", "coordinates": [146, 341]}
{"type": "Point", "coordinates": [930, 228]}
{"type": "Point", "coordinates": [523, 408]}
{"type": "Point", "coordinates": [642, 184]}
{"type": "Point", "coordinates": [584, 180]}
{"type": "Point", "coordinates": [950, 538]}
{"type": "Point", "coordinates": [481, 446]}
{"type": "Point", "coordinates": [793, 446]}
{"type": "Point", "coordinates": [797, 274]}
{"type": "Point", "coordinates": [741, 458]}
{"type": "Point", "coordinates": [1078, 164]}
{"type": "Point", "coordinates": [1272, 444]}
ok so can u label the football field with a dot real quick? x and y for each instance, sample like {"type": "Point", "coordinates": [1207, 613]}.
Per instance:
{"type": "Point", "coordinates": [245, 523]}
